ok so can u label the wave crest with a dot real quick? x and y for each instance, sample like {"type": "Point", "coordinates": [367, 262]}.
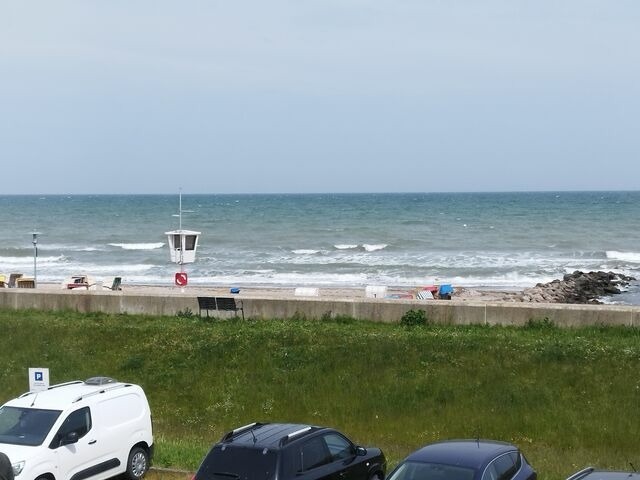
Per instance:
{"type": "Point", "coordinates": [633, 257]}
{"type": "Point", "coordinates": [29, 260]}
{"type": "Point", "coordinates": [138, 246]}
{"type": "Point", "coordinates": [373, 248]}
{"type": "Point", "coordinates": [345, 246]}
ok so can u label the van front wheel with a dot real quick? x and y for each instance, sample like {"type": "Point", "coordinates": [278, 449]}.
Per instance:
{"type": "Point", "coordinates": [138, 463]}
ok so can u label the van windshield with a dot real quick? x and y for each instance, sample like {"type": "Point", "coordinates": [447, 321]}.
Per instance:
{"type": "Point", "coordinates": [26, 426]}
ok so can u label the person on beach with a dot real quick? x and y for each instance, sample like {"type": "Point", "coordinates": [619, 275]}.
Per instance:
{"type": "Point", "coordinates": [6, 470]}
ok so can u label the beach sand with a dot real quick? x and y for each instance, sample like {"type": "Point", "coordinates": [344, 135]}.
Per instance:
{"type": "Point", "coordinates": [337, 293]}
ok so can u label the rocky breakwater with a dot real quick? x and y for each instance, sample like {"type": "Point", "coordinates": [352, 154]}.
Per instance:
{"type": "Point", "coordinates": [577, 287]}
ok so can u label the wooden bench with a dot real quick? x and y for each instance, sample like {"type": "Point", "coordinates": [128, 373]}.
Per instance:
{"type": "Point", "coordinates": [226, 304]}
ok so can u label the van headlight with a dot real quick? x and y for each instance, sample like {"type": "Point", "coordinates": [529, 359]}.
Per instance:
{"type": "Point", "coordinates": [17, 467]}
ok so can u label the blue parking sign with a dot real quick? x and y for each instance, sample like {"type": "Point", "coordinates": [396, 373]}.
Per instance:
{"type": "Point", "coordinates": [38, 379]}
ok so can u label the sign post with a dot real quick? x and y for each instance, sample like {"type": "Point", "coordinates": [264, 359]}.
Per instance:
{"type": "Point", "coordinates": [35, 257]}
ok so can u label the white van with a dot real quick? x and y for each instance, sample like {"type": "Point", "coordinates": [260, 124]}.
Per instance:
{"type": "Point", "coordinates": [78, 430]}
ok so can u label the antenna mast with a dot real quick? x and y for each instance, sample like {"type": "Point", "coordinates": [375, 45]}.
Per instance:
{"type": "Point", "coordinates": [180, 211]}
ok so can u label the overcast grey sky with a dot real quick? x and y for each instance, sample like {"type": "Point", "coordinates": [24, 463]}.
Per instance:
{"type": "Point", "coordinates": [149, 96]}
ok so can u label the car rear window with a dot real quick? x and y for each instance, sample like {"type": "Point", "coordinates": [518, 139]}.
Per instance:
{"type": "Point", "coordinates": [431, 471]}
{"type": "Point", "coordinates": [229, 462]}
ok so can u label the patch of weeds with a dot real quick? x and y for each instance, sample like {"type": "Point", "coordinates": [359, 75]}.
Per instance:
{"type": "Point", "coordinates": [414, 318]}
{"type": "Point", "coordinates": [540, 324]}
{"type": "Point", "coordinates": [342, 319]}
{"type": "Point", "coordinates": [186, 313]}
{"type": "Point", "coordinates": [298, 316]}
{"type": "Point", "coordinates": [135, 362]}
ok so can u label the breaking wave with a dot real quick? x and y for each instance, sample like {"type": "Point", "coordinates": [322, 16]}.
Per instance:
{"type": "Point", "coordinates": [138, 246]}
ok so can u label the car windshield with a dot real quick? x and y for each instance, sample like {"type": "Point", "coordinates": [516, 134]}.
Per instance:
{"type": "Point", "coordinates": [226, 462]}
{"type": "Point", "coordinates": [26, 426]}
{"type": "Point", "coordinates": [431, 471]}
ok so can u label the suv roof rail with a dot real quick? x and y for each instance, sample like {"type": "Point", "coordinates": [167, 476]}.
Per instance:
{"type": "Point", "coordinates": [58, 385]}
{"type": "Point", "coordinates": [239, 430]}
{"type": "Point", "coordinates": [581, 473]}
{"type": "Point", "coordinates": [287, 438]}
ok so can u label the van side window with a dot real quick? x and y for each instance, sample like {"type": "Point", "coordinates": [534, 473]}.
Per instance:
{"type": "Point", "coordinates": [78, 422]}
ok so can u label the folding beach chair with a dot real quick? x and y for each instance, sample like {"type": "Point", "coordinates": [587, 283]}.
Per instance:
{"type": "Point", "coordinates": [13, 279]}
{"type": "Point", "coordinates": [117, 281]}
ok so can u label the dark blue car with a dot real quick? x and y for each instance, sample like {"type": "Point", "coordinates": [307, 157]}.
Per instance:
{"type": "Point", "coordinates": [591, 473]}
{"type": "Point", "coordinates": [465, 460]}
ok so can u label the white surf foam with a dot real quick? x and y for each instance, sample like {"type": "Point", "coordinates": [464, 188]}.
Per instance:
{"type": "Point", "coordinates": [372, 248]}
{"type": "Point", "coordinates": [138, 246]}
{"type": "Point", "coordinates": [633, 257]}
{"type": "Point", "coordinates": [68, 247]}
{"type": "Point", "coordinates": [29, 260]}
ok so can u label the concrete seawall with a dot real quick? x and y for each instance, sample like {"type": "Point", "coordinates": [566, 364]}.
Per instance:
{"type": "Point", "coordinates": [380, 310]}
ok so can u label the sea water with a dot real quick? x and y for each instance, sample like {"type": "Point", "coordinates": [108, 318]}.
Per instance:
{"type": "Point", "coordinates": [479, 240]}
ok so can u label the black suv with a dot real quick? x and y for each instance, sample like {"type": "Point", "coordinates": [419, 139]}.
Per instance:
{"type": "Point", "coordinates": [284, 451]}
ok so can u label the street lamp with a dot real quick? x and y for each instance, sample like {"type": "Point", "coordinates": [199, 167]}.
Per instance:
{"type": "Point", "coordinates": [35, 258]}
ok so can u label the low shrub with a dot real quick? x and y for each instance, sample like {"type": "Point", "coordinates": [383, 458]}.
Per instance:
{"type": "Point", "coordinates": [414, 318]}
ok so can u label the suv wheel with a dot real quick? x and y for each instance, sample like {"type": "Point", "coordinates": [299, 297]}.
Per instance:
{"type": "Point", "coordinates": [138, 463]}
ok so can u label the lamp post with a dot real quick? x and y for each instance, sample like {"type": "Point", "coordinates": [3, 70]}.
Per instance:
{"type": "Point", "coordinates": [35, 258]}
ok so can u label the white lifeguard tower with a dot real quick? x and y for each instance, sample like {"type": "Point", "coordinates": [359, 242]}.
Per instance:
{"type": "Point", "coordinates": [182, 243]}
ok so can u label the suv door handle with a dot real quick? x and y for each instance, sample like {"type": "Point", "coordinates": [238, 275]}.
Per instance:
{"type": "Point", "coordinates": [92, 442]}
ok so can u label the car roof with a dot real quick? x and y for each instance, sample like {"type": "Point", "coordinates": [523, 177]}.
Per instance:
{"type": "Point", "coordinates": [593, 474]}
{"type": "Point", "coordinates": [59, 397]}
{"type": "Point", "coordinates": [608, 475]}
{"type": "Point", "coordinates": [464, 453]}
{"type": "Point", "coordinates": [270, 435]}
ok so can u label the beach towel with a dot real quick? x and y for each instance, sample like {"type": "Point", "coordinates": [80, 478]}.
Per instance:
{"type": "Point", "coordinates": [425, 295]}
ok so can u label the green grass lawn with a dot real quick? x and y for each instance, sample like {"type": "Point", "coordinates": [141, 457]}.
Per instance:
{"type": "Point", "coordinates": [568, 397]}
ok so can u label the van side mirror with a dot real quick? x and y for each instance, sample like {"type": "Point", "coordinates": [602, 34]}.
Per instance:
{"type": "Point", "coordinates": [361, 451]}
{"type": "Point", "coordinates": [69, 439]}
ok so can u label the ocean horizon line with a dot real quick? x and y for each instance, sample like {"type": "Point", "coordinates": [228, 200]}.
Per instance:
{"type": "Point", "coordinates": [443, 192]}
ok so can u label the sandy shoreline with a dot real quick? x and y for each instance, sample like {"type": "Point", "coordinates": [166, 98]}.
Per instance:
{"type": "Point", "coordinates": [460, 293]}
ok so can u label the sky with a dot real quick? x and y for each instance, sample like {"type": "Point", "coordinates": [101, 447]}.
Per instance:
{"type": "Point", "coordinates": [295, 96]}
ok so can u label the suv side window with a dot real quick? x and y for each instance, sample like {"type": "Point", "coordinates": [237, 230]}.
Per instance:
{"type": "Point", "coordinates": [312, 453]}
{"type": "Point", "coordinates": [78, 422]}
{"type": "Point", "coordinates": [339, 447]}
